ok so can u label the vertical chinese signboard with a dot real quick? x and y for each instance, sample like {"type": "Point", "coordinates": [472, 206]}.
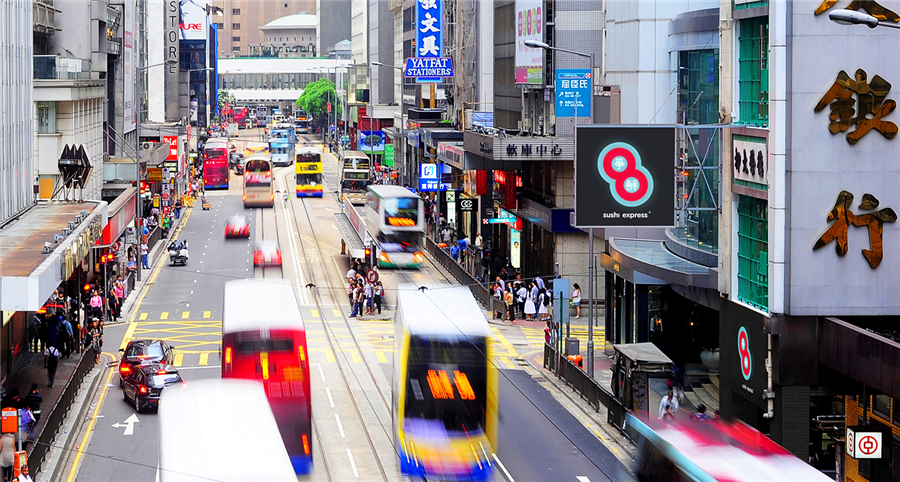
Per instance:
{"type": "Point", "coordinates": [429, 33]}
{"type": "Point", "coordinates": [529, 26]}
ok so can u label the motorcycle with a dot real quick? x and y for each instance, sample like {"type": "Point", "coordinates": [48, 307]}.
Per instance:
{"type": "Point", "coordinates": [178, 254]}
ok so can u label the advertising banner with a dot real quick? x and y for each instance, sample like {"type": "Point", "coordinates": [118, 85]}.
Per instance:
{"type": "Point", "coordinates": [128, 51]}
{"type": "Point", "coordinates": [573, 92]}
{"type": "Point", "coordinates": [371, 142]}
{"type": "Point", "coordinates": [388, 158]}
{"type": "Point", "coordinates": [529, 26]}
{"type": "Point", "coordinates": [172, 22]}
{"type": "Point", "coordinates": [429, 33]}
{"type": "Point", "coordinates": [515, 249]}
{"type": "Point", "coordinates": [625, 176]}
{"type": "Point", "coordinates": [193, 20]}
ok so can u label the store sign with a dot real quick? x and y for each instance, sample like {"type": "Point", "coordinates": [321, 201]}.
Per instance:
{"type": "Point", "coordinates": [417, 67]}
{"type": "Point", "coordinates": [519, 149]}
{"type": "Point", "coordinates": [172, 21]}
{"type": "Point", "coordinates": [371, 142]}
{"type": "Point", "coordinates": [863, 444]}
{"type": "Point", "coordinates": [625, 176]}
{"type": "Point", "coordinates": [429, 36]}
{"type": "Point", "coordinates": [573, 92]}
{"type": "Point", "coordinates": [79, 249]}
{"type": "Point", "coordinates": [388, 157]}
{"type": "Point", "coordinates": [154, 174]}
{"type": "Point", "coordinates": [172, 141]}
{"type": "Point", "coordinates": [451, 154]}
{"type": "Point", "coordinates": [429, 179]}
{"type": "Point", "coordinates": [750, 161]}
{"type": "Point", "coordinates": [467, 204]}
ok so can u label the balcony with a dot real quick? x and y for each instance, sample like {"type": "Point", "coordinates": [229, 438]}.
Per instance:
{"type": "Point", "coordinates": [44, 17]}
{"type": "Point", "coordinates": [52, 67]}
{"type": "Point", "coordinates": [114, 46]}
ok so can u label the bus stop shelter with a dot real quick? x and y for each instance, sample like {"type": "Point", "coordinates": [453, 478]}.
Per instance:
{"type": "Point", "coordinates": [634, 364]}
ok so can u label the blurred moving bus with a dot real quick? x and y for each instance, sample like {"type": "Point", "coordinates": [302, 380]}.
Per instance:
{"type": "Point", "coordinates": [308, 167]}
{"type": "Point", "coordinates": [355, 176]}
{"type": "Point", "coordinates": [395, 219]}
{"type": "Point", "coordinates": [282, 151]}
{"type": "Point", "coordinates": [258, 190]}
{"type": "Point", "coordinates": [445, 387]}
{"type": "Point", "coordinates": [713, 451]}
{"type": "Point", "coordinates": [220, 430]}
{"type": "Point", "coordinates": [215, 164]}
{"type": "Point", "coordinates": [264, 339]}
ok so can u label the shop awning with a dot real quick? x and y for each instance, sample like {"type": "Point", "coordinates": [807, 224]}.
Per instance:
{"type": "Point", "coordinates": [29, 272]}
{"type": "Point", "coordinates": [121, 212]}
{"type": "Point", "coordinates": [633, 258]}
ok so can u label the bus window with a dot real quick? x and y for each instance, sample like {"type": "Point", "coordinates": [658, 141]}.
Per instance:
{"type": "Point", "coordinates": [353, 185]}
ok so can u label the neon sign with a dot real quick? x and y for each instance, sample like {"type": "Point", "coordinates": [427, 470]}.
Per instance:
{"type": "Point", "coordinates": [395, 221]}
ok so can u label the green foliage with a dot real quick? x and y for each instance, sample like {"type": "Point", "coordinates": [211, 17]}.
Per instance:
{"type": "Point", "coordinates": [316, 96]}
{"type": "Point", "coordinates": [225, 96]}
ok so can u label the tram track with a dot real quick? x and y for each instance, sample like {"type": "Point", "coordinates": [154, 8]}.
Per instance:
{"type": "Point", "coordinates": [332, 338]}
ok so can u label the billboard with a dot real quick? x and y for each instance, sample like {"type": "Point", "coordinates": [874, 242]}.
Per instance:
{"type": "Point", "coordinates": [429, 33]}
{"type": "Point", "coordinates": [371, 141]}
{"type": "Point", "coordinates": [625, 176]}
{"type": "Point", "coordinates": [129, 52]}
{"type": "Point", "coordinates": [529, 26]}
{"type": "Point", "coordinates": [193, 20]}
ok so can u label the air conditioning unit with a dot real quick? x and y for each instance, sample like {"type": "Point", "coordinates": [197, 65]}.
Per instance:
{"type": "Point", "coordinates": [65, 232]}
{"type": "Point", "coordinates": [146, 145]}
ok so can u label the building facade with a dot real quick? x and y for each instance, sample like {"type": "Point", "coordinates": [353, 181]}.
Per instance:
{"type": "Point", "coordinates": [241, 22]}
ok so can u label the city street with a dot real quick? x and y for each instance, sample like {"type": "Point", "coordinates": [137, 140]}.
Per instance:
{"type": "Point", "coordinates": [350, 359]}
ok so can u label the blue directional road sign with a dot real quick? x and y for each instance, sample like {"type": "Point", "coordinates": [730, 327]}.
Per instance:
{"type": "Point", "coordinates": [573, 88]}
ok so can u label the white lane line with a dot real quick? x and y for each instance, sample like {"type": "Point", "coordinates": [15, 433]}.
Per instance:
{"type": "Point", "coordinates": [337, 418]}
{"type": "Point", "coordinates": [500, 464]}
{"type": "Point", "coordinates": [330, 400]}
{"type": "Point", "coordinates": [582, 478]}
{"type": "Point", "coordinates": [321, 372]}
{"type": "Point", "coordinates": [352, 464]}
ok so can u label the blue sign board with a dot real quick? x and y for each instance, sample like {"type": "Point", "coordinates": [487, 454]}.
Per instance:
{"type": "Point", "coordinates": [429, 179]}
{"type": "Point", "coordinates": [421, 67]}
{"type": "Point", "coordinates": [573, 91]}
{"type": "Point", "coordinates": [429, 33]}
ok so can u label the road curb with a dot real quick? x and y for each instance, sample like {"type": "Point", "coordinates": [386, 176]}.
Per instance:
{"type": "Point", "coordinates": [58, 456]}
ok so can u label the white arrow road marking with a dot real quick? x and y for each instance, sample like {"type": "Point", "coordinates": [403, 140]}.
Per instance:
{"type": "Point", "coordinates": [128, 424]}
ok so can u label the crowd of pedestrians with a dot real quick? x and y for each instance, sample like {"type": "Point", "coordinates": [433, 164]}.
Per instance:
{"type": "Point", "coordinates": [366, 298]}
{"type": "Point", "coordinates": [530, 299]}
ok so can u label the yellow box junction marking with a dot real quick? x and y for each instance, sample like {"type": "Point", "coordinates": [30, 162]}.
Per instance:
{"type": "Point", "coordinates": [207, 314]}
{"type": "Point", "coordinates": [179, 359]}
{"type": "Point", "coordinates": [143, 316]}
{"type": "Point", "coordinates": [164, 315]}
{"type": "Point", "coordinates": [185, 315]}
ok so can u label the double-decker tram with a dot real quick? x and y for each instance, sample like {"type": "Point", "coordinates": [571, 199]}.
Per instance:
{"type": "Point", "coordinates": [264, 339]}
{"type": "Point", "coordinates": [355, 176]}
{"type": "Point", "coordinates": [282, 151]}
{"type": "Point", "coordinates": [308, 167]}
{"type": "Point", "coordinates": [215, 164]}
{"type": "Point", "coordinates": [258, 190]}
{"type": "Point", "coordinates": [395, 220]}
{"type": "Point", "coordinates": [445, 387]}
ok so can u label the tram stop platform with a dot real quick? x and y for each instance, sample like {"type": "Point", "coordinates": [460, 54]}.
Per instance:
{"type": "Point", "coordinates": [353, 243]}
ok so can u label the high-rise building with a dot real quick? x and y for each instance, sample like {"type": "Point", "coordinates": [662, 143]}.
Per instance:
{"type": "Point", "coordinates": [240, 22]}
{"type": "Point", "coordinates": [333, 24]}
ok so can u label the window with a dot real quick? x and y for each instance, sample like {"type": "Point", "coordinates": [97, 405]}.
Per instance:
{"type": "Point", "coordinates": [235, 26]}
{"type": "Point", "coordinates": [882, 406]}
{"type": "Point", "coordinates": [235, 11]}
{"type": "Point", "coordinates": [753, 256]}
{"type": "Point", "coordinates": [220, 26]}
{"type": "Point", "coordinates": [698, 87]}
{"type": "Point", "coordinates": [235, 39]}
{"type": "Point", "coordinates": [753, 81]}
{"type": "Point", "coordinates": [46, 117]}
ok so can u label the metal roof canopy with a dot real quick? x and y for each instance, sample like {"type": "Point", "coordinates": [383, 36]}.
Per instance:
{"type": "Point", "coordinates": [441, 312]}
{"type": "Point", "coordinates": [644, 357]}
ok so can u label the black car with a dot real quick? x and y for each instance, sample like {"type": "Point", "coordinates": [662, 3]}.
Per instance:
{"type": "Point", "coordinates": [145, 384]}
{"type": "Point", "coordinates": [139, 352]}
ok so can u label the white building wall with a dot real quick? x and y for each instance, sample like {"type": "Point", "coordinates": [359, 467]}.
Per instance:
{"type": "Point", "coordinates": [16, 130]}
{"type": "Point", "coordinates": [359, 31]}
{"type": "Point", "coordinates": [485, 54]}
{"type": "Point", "coordinates": [156, 46]}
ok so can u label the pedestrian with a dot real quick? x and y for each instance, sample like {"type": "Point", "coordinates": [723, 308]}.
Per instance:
{"type": "Point", "coordinates": [166, 224]}
{"type": "Point", "coordinates": [544, 304]}
{"type": "Point", "coordinates": [51, 362]}
{"type": "Point", "coordinates": [351, 273]}
{"type": "Point", "coordinates": [121, 290]}
{"type": "Point", "coordinates": [378, 296]}
{"type": "Point", "coordinates": [33, 400]}
{"type": "Point", "coordinates": [701, 415]}
{"type": "Point", "coordinates": [501, 283]}
{"type": "Point", "coordinates": [509, 299]}
{"type": "Point", "coordinates": [670, 402]}
{"type": "Point", "coordinates": [178, 207]}
{"type": "Point", "coordinates": [668, 416]}
{"type": "Point", "coordinates": [540, 282]}
{"type": "Point", "coordinates": [576, 300]}
{"type": "Point", "coordinates": [96, 338]}
{"type": "Point", "coordinates": [34, 332]}
{"type": "Point", "coordinates": [145, 251]}
{"type": "Point", "coordinates": [113, 303]}
{"type": "Point", "coordinates": [97, 304]}
{"type": "Point", "coordinates": [370, 295]}
{"type": "Point", "coordinates": [479, 241]}
{"type": "Point", "coordinates": [521, 294]}
{"type": "Point", "coordinates": [7, 454]}
{"type": "Point", "coordinates": [356, 295]}
{"type": "Point", "coordinates": [131, 266]}
{"type": "Point", "coordinates": [530, 308]}
{"type": "Point", "coordinates": [454, 252]}
{"type": "Point", "coordinates": [66, 335]}
{"type": "Point", "coordinates": [24, 475]}
{"type": "Point", "coordinates": [53, 328]}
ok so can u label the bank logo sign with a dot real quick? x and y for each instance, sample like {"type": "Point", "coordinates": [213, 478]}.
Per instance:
{"type": "Point", "coordinates": [625, 176]}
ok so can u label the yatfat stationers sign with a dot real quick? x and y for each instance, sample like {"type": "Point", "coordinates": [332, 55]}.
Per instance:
{"type": "Point", "coordinates": [625, 176]}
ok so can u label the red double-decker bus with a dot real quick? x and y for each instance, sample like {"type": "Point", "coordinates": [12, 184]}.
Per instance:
{"type": "Point", "coordinates": [264, 339]}
{"type": "Point", "coordinates": [215, 164]}
{"type": "Point", "coordinates": [239, 116]}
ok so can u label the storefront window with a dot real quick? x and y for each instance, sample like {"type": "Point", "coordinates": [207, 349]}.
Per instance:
{"type": "Point", "coordinates": [753, 256]}
{"type": "Point", "coordinates": [882, 406]}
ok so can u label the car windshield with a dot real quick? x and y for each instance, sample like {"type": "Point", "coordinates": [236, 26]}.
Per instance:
{"type": "Point", "coordinates": [237, 221]}
{"type": "Point", "coordinates": [144, 351]}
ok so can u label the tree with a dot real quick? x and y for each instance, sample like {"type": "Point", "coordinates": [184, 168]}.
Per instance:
{"type": "Point", "coordinates": [315, 98]}
{"type": "Point", "coordinates": [225, 96]}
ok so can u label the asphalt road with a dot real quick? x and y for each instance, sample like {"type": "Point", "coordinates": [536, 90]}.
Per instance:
{"type": "Point", "coordinates": [351, 360]}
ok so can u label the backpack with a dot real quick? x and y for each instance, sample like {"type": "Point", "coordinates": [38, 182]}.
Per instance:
{"type": "Point", "coordinates": [53, 360]}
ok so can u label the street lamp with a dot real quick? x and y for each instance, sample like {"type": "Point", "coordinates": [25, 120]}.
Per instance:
{"type": "Point", "coordinates": [852, 17]}
{"type": "Point", "coordinates": [590, 344]}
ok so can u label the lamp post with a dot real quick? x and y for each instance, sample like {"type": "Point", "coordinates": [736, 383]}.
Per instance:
{"type": "Point", "coordinates": [590, 343]}
{"type": "Point", "coordinates": [852, 17]}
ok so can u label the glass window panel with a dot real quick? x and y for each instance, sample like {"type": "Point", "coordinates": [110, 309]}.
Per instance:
{"type": "Point", "coordinates": [753, 269]}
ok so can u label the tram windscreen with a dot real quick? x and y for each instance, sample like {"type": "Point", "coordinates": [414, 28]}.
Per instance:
{"type": "Point", "coordinates": [401, 212]}
{"type": "Point", "coordinates": [447, 382]}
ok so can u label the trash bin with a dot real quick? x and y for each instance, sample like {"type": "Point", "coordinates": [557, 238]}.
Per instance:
{"type": "Point", "coordinates": [576, 359]}
{"type": "Point", "coordinates": [572, 346]}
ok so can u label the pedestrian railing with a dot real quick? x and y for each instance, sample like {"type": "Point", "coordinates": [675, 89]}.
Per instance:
{"type": "Point", "coordinates": [478, 288]}
{"type": "Point", "coordinates": [53, 417]}
{"type": "Point", "coordinates": [588, 388]}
